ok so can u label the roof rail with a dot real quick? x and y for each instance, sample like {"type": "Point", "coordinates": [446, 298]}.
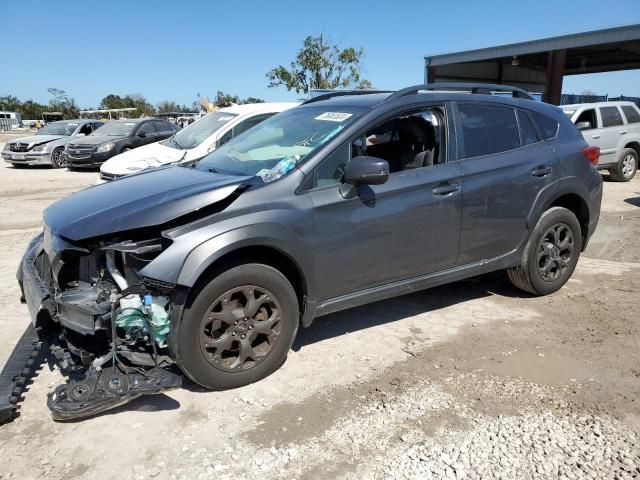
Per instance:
{"type": "Point", "coordinates": [485, 88]}
{"type": "Point", "coordinates": [340, 93]}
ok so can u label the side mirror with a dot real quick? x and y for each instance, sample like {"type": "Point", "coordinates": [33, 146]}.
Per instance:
{"type": "Point", "coordinates": [363, 171]}
{"type": "Point", "coordinates": [366, 171]}
{"type": "Point", "coordinates": [583, 125]}
{"type": "Point", "coordinates": [81, 135]}
{"type": "Point", "coordinates": [142, 134]}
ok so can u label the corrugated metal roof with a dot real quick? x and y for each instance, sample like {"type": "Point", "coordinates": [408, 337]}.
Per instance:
{"type": "Point", "coordinates": [574, 40]}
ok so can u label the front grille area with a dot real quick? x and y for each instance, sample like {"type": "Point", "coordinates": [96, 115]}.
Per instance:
{"type": "Point", "coordinates": [18, 147]}
{"type": "Point", "coordinates": [81, 149]}
{"type": "Point", "coordinates": [157, 284]}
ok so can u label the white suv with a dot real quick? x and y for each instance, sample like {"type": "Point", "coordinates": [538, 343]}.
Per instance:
{"type": "Point", "coordinates": [615, 128]}
{"type": "Point", "coordinates": [193, 141]}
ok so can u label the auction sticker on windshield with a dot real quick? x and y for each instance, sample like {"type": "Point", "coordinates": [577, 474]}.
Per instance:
{"type": "Point", "coordinates": [334, 116]}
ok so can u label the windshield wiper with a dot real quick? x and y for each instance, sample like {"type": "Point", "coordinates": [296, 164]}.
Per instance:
{"type": "Point", "coordinates": [176, 143]}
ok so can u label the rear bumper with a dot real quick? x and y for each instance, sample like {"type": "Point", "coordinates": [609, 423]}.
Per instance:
{"type": "Point", "coordinates": [594, 209]}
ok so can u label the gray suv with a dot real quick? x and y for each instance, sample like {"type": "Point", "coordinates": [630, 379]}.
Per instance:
{"type": "Point", "coordinates": [347, 199]}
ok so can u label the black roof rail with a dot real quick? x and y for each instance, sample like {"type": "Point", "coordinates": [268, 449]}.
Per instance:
{"type": "Point", "coordinates": [340, 93]}
{"type": "Point", "coordinates": [485, 88]}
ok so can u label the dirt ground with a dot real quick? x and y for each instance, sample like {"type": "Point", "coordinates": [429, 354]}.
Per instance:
{"type": "Point", "coordinates": [469, 380]}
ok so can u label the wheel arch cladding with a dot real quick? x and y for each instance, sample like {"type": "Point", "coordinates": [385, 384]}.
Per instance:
{"type": "Point", "coordinates": [255, 254]}
{"type": "Point", "coordinates": [576, 204]}
{"type": "Point", "coordinates": [635, 145]}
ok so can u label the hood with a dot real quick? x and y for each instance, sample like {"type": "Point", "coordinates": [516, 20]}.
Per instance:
{"type": "Point", "coordinates": [147, 199]}
{"type": "Point", "coordinates": [37, 139]}
{"type": "Point", "coordinates": [152, 155]}
{"type": "Point", "coordinates": [95, 139]}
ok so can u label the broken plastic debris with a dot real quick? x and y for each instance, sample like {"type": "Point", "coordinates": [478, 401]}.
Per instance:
{"type": "Point", "coordinates": [280, 169]}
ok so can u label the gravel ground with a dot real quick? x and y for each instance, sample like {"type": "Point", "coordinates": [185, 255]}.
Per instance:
{"type": "Point", "coordinates": [470, 380]}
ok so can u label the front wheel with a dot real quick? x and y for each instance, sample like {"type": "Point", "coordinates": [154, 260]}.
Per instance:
{"type": "Point", "coordinates": [551, 254]}
{"type": "Point", "coordinates": [627, 166]}
{"type": "Point", "coordinates": [239, 328]}
{"type": "Point", "coordinates": [57, 158]}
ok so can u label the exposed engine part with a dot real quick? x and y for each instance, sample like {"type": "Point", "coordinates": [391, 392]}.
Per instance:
{"type": "Point", "coordinates": [103, 389]}
{"type": "Point", "coordinates": [143, 316]}
{"type": "Point", "coordinates": [25, 359]}
{"type": "Point", "coordinates": [113, 270]}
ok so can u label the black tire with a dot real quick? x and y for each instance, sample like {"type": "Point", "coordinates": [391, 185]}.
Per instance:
{"type": "Point", "coordinates": [627, 166]}
{"type": "Point", "coordinates": [196, 329]}
{"type": "Point", "coordinates": [531, 275]}
{"type": "Point", "coordinates": [57, 158]}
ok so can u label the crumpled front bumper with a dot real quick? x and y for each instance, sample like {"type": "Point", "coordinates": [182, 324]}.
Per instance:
{"type": "Point", "coordinates": [35, 292]}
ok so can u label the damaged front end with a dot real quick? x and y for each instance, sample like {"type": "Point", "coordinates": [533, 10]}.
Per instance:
{"type": "Point", "coordinates": [106, 325]}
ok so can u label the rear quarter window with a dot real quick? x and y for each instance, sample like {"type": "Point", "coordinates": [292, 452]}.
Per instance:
{"type": "Point", "coordinates": [547, 125]}
{"type": "Point", "coordinates": [631, 113]}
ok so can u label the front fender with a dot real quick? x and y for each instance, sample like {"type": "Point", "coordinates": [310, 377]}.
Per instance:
{"type": "Point", "coordinates": [272, 235]}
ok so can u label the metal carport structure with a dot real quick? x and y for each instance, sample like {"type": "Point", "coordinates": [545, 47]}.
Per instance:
{"type": "Point", "coordinates": [540, 65]}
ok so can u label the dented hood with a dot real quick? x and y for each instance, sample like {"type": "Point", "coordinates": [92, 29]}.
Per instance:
{"type": "Point", "coordinates": [147, 199]}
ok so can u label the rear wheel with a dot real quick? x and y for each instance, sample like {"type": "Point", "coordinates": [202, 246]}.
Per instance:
{"type": "Point", "coordinates": [626, 167]}
{"type": "Point", "coordinates": [239, 328]}
{"type": "Point", "coordinates": [551, 254]}
{"type": "Point", "coordinates": [57, 158]}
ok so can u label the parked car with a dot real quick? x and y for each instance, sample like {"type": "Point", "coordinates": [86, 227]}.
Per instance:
{"type": "Point", "coordinates": [47, 146]}
{"type": "Point", "coordinates": [344, 200]}
{"type": "Point", "coordinates": [615, 128]}
{"type": "Point", "coordinates": [194, 141]}
{"type": "Point", "coordinates": [116, 137]}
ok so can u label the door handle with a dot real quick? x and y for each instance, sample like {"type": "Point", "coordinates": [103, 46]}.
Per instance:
{"type": "Point", "coordinates": [595, 136]}
{"type": "Point", "coordinates": [623, 132]}
{"type": "Point", "coordinates": [541, 171]}
{"type": "Point", "coordinates": [446, 189]}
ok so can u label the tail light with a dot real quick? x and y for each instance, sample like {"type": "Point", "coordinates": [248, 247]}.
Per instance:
{"type": "Point", "coordinates": [592, 154]}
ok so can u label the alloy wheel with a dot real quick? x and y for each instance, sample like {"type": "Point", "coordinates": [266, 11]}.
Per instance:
{"type": "Point", "coordinates": [555, 251]}
{"type": "Point", "coordinates": [628, 165]}
{"type": "Point", "coordinates": [241, 328]}
{"type": "Point", "coordinates": [58, 158]}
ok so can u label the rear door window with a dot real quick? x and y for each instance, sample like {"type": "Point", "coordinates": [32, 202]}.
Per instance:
{"type": "Point", "coordinates": [610, 116]}
{"type": "Point", "coordinates": [528, 133]}
{"type": "Point", "coordinates": [631, 113]}
{"type": "Point", "coordinates": [488, 129]}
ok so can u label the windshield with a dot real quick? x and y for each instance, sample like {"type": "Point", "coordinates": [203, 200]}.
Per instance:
{"type": "Point", "coordinates": [274, 147]}
{"type": "Point", "coordinates": [116, 129]}
{"type": "Point", "coordinates": [58, 128]}
{"type": "Point", "coordinates": [199, 131]}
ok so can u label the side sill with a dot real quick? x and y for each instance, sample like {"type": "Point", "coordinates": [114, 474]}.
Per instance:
{"type": "Point", "coordinates": [403, 287]}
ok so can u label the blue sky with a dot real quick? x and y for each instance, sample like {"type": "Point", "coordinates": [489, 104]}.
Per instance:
{"type": "Point", "coordinates": [173, 50]}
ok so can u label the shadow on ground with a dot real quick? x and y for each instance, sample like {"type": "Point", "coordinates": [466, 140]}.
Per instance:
{"type": "Point", "coordinates": [398, 308]}
{"type": "Point", "coordinates": [635, 201]}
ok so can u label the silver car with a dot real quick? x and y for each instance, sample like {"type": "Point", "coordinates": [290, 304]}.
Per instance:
{"type": "Point", "coordinates": [615, 128]}
{"type": "Point", "coordinates": [47, 146]}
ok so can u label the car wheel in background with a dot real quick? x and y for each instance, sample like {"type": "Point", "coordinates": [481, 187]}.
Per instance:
{"type": "Point", "coordinates": [626, 167]}
{"type": "Point", "coordinates": [57, 158]}
{"type": "Point", "coordinates": [239, 328]}
{"type": "Point", "coordinates": [551, 253]}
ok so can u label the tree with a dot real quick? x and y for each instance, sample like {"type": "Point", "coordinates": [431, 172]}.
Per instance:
{"type": "Point", "coordinates": [168, 106]}
{"type": "Point", "coordinates": [133, 100]}
{"type": "Point", "coordinates": [252, 100]}
{"type": "Point", "coordinates": [225, 100]}
{"type": "Point", "coordinates": [588, 92]}
{"type": "Point", "coordinates": [63, 103]}
{"type": "Point", "coordinates": [320, 65]}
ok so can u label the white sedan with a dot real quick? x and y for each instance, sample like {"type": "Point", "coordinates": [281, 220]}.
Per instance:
{"type": "Point", "coordinates": [194, 141]}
